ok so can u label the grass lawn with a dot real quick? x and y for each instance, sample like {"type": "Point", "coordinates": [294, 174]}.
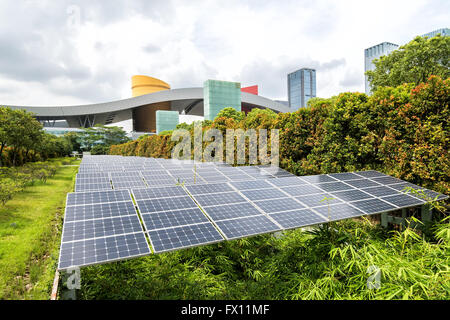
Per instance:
{"type": "Point", "coordinates": [30, 231]}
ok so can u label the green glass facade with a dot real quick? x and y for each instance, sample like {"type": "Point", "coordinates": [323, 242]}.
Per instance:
{"type": "Point", "coordinates": [166, 120]}
{"type": "Point", "coordinates": [218, 95]}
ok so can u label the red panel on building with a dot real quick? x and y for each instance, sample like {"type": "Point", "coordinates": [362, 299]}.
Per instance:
{"type": "Point", "coordinates": [251, 89]}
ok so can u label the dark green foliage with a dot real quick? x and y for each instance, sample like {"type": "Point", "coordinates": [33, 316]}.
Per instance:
{"type": "Point", "coordinates": [330, 262]}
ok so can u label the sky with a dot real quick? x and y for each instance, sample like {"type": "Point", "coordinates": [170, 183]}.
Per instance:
{"type": "Point", "coordinates": [85, 51]}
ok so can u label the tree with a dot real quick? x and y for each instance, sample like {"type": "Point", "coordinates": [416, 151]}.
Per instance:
{"type": "Point", "coordinates": [232, 113]}
{"type": "Point", "coordinates": [413, 63]}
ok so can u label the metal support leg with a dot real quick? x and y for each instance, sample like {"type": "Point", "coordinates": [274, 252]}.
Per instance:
{"type": "Point", "coordinates": [426, 213]}
{"type": "Point", "coordinates": [384, 220]}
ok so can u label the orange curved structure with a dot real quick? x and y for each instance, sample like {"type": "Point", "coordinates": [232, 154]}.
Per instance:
{"type": "Point", "coordinates": [141, 85]}
{"type": "Point", "coordinates": [145, 116]}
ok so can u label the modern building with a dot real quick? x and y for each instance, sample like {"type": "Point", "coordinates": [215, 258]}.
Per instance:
{"type": "Point", "coordinates": [375, 52]}
{"type": "Point", "coordinates": [301, 87]}
{"type": "Point", "coordinates": [445, 32]}
{"type": "Point", "coordinates": [149, 95]}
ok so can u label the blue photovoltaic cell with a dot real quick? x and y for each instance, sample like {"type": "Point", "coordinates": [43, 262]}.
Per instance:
{"type": "Point", "coordinates": [301, 190]}
{"type": "Point", "coordinates": [91, 180]}
{"type": "Point", "coordinates": [387, 180]}
{"type": "Point", "coordinates": [371, 206]}
{"type": "Point", "coordinates": [209, 188]}
{"type": "Point", "coordinates": [334, 186]}
{"type": "Point", "coordinates": [82, 198]}
{"type": "Point", "coordinates": [248, 185]}
{"type": "Point", "coordinates": [287, 181]}
{"type": "Point", "coordinates": [422, 193]}
{"type": "Point", "coordinates": [99, 210]}
{"type": "Point", "coordinates": [165, 204]}
{"type": "Point", "coordinates": [351, 195]}
{"type": "Point", "coordinates": [297, 218]}
{"type": "Point", "coordinates": [87, 252]}
{"type": "Point", "coordinates": [317, 200]}
{"type": "Point", "coordinates": [166, 219]}
{"type": "Point", "coordinates": [219, 198]}
{"type": "Point", "coordinates": [230, 211]}
{"type": "Point", "coordinates": [92, 187]}
{"type": "Point", "coordinates": [160, 192]}
{"type": "Point", "coordinates": [370, 174]}
{"type": "Point", "coordinates": [240, 177]}
{"type": "Point", "coordinates": [339, 211]}
{"type": "Point", "coordinates": [344, 176]}
{"type": "Point", "coordinates": [363, 183]}
{"type": "Point", "coordinates": [318, 178]}
{"type": "Point", "coordinates": [87, 229]}
{"type": "Point", "coordinates": [183, 237]}
{"type": "Point", "coordinates": [277, 205]}
{"type": "Point", "coordinates": [129, 185]}
{"type": "Point", "coordinates": [263, 194]}
{"type": "Point", "coordinates": [243, 227]}
{"type": "Point", "coordinates": [403, 200]}
{"type": "Point", "coordinates": [381, 191]}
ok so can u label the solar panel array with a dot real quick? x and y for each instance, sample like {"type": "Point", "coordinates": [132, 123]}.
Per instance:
{"type": "Point", "coordinates": [183, 204]}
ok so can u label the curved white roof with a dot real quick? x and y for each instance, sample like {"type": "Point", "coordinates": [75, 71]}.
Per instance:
{"type": "Point", "coordinates": [160, 96]}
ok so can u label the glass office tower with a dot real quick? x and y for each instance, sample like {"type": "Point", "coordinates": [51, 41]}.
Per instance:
{"type": "Point", "coordinates": [166, 120]}
{"type": "Point", "coordinates": [375, 52]}
{"type": "Point", "coordinates": [218, 95]}
{"type": "Point", "coordinates": [301, 87]}
{"type": "Point", "coordinates": [445, 32]}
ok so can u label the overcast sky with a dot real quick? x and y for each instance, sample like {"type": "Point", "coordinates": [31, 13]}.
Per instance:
{"type": "Point", "coordinates": [83, 51]}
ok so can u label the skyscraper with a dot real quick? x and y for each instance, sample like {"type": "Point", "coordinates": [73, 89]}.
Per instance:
{"type": "Point", "coordinates": [445, 32]}
{"type": "Point", "coordinates": [376, 52]}
{"type": "Point", "coordinates": [301, 87]}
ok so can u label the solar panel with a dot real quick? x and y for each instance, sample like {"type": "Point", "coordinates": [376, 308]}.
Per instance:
{"type": "Point", "coordinates": [82, 198]}
{"type": "Point", "coordinates": [100, 210]}
{"type": "Point", "coordinates": [87, 252]}
{"type": "Point", "coordinates": [403, 200]}
{"type": "Point", "coordinates": [339, 211]}
{"type": "Point", "coordinates": [287, 181]}
{"type": "Point", "coordinates": [263, 194]}
{"type": "Point", "coordinates": [161, 220]}
{"type": "Point", "coordinates": [159, 192]}
{"type": "Point", "coordinates": [103, 226]}
{"type": "Point", "coordinates": [165, 204]}
{"type": "Point", "coordinates": [209, 188]}
{"type": "Point", "coordinates": [345, 176]}
{"type": "Point", "coordinates": [92, 187]}
{"type": "Point", "coordinates": [297, 218]}
{"type": "Point", "coordinates": [248, 226]}
{"type": "Point", "coordinates": [351, 195]}
{"type": "Point", "coordinates": [183, 237]}
{"type": "Point", "coordinates": [334, 186]}
{"type": "Point", "coordinates": [277, 205]}
{"type": "Point", "coordinates": [381, 191]}
{"type": "Point", "coordinates": [370, 174]}
{"type": "Point", "coordinates": [219, 198]}
{"type": "Point", "coordinates": [317, 200]}
{"type": "Point", "coordinates": [90, 180]}
{"type": "Point", "coordinates": [363, 183]}
{"type": "Point", "coordinates": [230, 211]}
{"type": "Point", "coordinates": [318, 178]}
{"type": "Point", "coordinates": [87, 229]}
{"type": "Point", "coordinates": [301, 190]}
{"type": "Point", "coordinates": [387, 180]}
{"type": "Point", "coordinates": [129, 184]}
{"type": "Point", "coordinates": [427, 195]}
{"type": "Point", "coordinates": [248, 185]}
{"type": "Point", "coordinates": [372, 206]}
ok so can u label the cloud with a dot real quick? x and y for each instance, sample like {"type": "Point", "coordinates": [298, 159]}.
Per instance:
{"type": "Point", "coordinates": [70, 52]}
